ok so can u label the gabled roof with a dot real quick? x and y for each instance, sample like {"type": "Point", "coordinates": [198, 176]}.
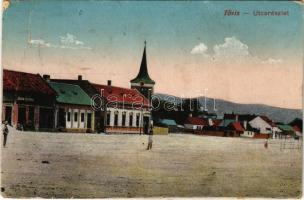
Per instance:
{"type": "Point", "coordinates": [297, 122]}
{"type": "Point", "coordinates": [226, 122]}
{"type": "Point", "coordinates": [168, 122]}
{"type": "Point", "coordinates": [286, 128]}
{"type": "Point", "coordinates": [296, 129]}
{"type": "Point", "coordinates": [196, 121]}
{"type": "Point", "coordinates": [70, 94]}
{"type": "Point", "coordinates": [269, 121]}
{"type": "Point", "coordinates": [121, 95]}
{"type": "Point", "coordinates": [246, 117]}
{"type": "Point", "coordinates": [250, 128]}
{"type": "Point", "coordinates": [236, 126]}
{"type": "Point", "coordinates": [25, 82]}
{"type": "Point", "coordinates": [84, 84]}
{"type": "Point", "coordinates": [143, 75]}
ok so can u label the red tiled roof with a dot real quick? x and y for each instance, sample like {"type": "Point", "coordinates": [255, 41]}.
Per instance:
{"type": "Point", "coordinates": [237, 126]}
{"type": "Point", "coordinates": [269, 121]}
{"type": "Point", "coordinates": [25, 82]}
{"type": "Point", "coordinates": [119, 94]}
{"type": "Point", "coordinates": [196, 121]}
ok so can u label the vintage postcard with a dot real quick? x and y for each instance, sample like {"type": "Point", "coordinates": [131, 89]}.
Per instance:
{"type": "Point", "coordinates": [137, 99]}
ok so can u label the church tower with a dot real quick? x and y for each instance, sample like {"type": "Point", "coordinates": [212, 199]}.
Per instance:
{"type": "Point", "coordinates": [143, 83]}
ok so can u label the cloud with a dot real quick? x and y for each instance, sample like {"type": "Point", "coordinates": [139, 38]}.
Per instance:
{"type": "Point", "coordinates": [40, 42]}
{"type": "Point", "coordinates": [231, 48]}
{"type": "Point", "coordinates": [272, 61]}
{"type": "Point", "coordinates": [68, 41]}
{"type": "Point", "coordinates": [201, 48]}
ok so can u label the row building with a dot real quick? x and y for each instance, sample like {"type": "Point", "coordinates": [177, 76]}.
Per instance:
{"type": "Point", "coordinates": [34, 102]}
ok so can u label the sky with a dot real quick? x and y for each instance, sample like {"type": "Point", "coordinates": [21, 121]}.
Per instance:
{"type": "Point", "coordinates": [192, 48]}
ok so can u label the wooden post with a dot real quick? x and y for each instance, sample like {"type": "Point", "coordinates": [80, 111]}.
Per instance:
{"type": "Point", "coordinates": [15, 114]}
{"type": "Point", "coordinates": [36, 117]}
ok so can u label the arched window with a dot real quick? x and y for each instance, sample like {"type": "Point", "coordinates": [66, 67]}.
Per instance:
{"type": "Point", "coordinates": [130, 119]}
{"type": "Point", "coordinates": [123, 120]}
{"type": "Point", "coordinates": [137, 119]}
{"type": "Point", "coordinates": [116, 118]}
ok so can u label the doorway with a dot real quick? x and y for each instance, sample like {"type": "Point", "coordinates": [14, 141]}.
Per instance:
{"type": "Point", "coordinates": [21, 115]}
{"type": "Point", "coordinates": [46, 118]}
{"type": "Point", "coordinates": [8, 114]}
{"type": "Point", "coordinates": [89, 120]}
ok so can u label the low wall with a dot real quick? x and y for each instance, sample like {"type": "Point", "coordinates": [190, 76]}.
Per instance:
{"type": "Point", "coordinates": [210, 133]}
{"type": "Point", "coordinates": [160, 130]}
{"type": "Point", "coordinates": [129, 130]}
{"type": "Point", "coordinates": [76, 130]}
{"type": "Point", "coordinates": [261, 136]}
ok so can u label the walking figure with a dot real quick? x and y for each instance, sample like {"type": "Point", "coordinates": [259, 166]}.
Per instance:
{"type": "Point", "coordinates": [266, 144]}
{"type": "Point", "coordinates": [150, 140]}
{"type": "Point", "coordinates": [5, 133]}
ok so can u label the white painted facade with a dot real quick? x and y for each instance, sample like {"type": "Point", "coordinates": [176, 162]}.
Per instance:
{"type": "Point", "coordinates": [276, 132]}
{"type": "Point", "coordinates": [261, 125]}
{"type": "Point", "coordinates": [78, 118]}
{"type": "Point", "coordinates": [193, 127]}
{"type": "Point", "coordinates": [120, 112]}
{"type": "Point", "coordinates": [247, 134]}
{"type": "Point", "coordinates": [264, 127]}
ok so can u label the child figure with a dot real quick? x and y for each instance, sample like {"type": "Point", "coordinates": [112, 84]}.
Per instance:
{"type": "Point", "coordinates": [150, 140]}
{"type": "Point", "coordinates": [266, 144]}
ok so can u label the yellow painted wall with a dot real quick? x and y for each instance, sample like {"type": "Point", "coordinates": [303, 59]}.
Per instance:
{"type": "Point", "coordinates": [160, 130]}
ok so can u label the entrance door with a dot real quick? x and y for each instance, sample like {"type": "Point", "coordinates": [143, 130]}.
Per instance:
{"type": "Point", "coordinates": [89, 120]}
{"type": "Point", "coordinates": [21, 115]}
{"type": "Point", "coordinates": [31, 115]}
{"type": "Point", "coordinates": [8, 114]}
{"type": "Point", "coordinates": [146, 125]}
{"type": "Point", "coordinates": [46, 118]}
{"type": "Point", "coordinates": [61, 118]}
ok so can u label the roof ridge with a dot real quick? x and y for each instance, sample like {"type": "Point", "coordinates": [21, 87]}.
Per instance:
{"type": "Point", "coordinates": [21, 72]}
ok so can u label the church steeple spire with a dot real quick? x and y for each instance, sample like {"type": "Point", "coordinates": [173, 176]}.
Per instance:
{"type": "Point", "coordinates": [143, 75]}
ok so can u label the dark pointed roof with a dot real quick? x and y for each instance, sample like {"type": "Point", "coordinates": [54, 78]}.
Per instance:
{"type": "Point", "coordinates": [143, 75]}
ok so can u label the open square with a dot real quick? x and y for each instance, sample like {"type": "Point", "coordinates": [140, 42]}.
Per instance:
{"type": "Point", "coordinates": [77, 165]}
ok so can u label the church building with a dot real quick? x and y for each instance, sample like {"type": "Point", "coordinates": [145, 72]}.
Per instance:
{"type": "Point", "coordinates": [123, 111]}
{"type": "Point", "coordinates": [142, 82]}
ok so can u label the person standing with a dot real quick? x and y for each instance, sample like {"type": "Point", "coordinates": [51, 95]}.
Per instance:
{"type": "Point", "coordinates": [150, 140]}
{"type": "Point", "coordinates": [5, 133]}
{"type": "Point", "coordinates": [266, 144]}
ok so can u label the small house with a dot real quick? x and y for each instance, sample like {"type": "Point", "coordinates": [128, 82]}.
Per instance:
{"type": "Point", "coordinates": [170, 124]}
{"type": "Point", "coordinates": [234, 129]}
{"type": "Point", "coordinates": [73, 108]}
{"type": "Point", "coordinates": [265, 126]}
{"type": "Point", "coordinates": [195, 123]}
{"type": "Point", "coordinates": [287, 130]}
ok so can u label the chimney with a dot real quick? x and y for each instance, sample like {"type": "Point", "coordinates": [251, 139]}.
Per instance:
{"type": "Point", "coordinates": [109, 82]}
{"type": "Point", "coordinates": [46, 77]}
{"type": "Point", "coordinates": [79, 78]}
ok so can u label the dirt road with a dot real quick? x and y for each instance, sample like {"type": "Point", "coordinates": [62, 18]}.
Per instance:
{"type": "Point", "coordinates": [87, 166]}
